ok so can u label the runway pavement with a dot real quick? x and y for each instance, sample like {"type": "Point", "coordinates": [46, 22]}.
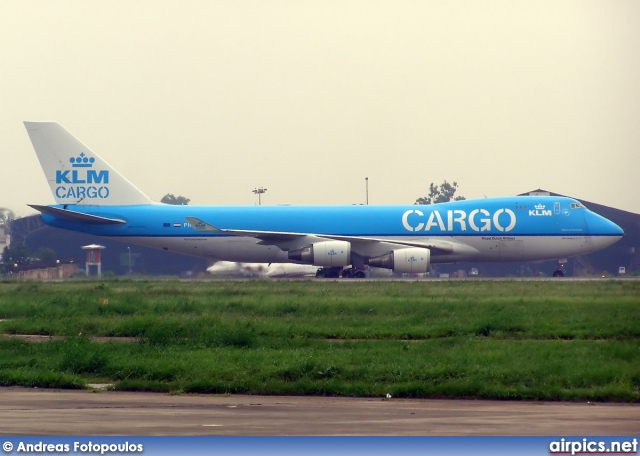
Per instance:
{"type": "Point", "coordinates": [27, 411]}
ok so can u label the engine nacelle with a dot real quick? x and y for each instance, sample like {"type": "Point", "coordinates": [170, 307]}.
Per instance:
{"type": "Point", "coordinates": [412, 260]}
{"type": "Point", "coordinates": [326, 253]}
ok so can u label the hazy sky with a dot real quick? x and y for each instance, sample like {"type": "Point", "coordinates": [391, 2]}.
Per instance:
{"type": "Point", "coordinates": [210, 99]}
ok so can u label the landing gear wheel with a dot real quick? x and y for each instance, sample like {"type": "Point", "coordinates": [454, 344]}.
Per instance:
{"type": "Point", "coordinates": [328, 273]}
{"type": "Point", "coordinates": [558, 273]}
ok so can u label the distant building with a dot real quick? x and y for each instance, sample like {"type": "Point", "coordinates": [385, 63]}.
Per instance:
{"type": "Point", "coordinates": [59, 272]}
{"type": "Point", "coordinates": [4, 239]}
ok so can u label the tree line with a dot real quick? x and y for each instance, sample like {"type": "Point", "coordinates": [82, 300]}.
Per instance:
{"type": "Point", "coordinates": [443, 193]}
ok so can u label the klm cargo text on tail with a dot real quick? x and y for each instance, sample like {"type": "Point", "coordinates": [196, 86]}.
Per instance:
{"type": "Point", "coordinates": [82, 182]}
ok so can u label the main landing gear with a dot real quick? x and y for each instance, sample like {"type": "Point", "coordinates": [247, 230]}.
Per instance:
{"type": "Point", "coordinates": [354, 273]}
{"type": "Point", "coordinates": [335, 272]}
{"type": "Point", "coordinates": [328, 273]}
{"type": "Point", "coordinates": [559, 272]}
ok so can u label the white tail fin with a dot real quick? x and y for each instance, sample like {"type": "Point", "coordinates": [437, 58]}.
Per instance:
{"type": "Point", "coordinates": [77, 175]}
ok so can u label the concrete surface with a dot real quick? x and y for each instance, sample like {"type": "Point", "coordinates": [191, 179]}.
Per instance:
{"type": "Point", "coordinates": [26, 411]}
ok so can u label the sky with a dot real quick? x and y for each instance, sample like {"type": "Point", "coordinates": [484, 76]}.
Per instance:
{"type": "Point", "coordinates": [213, 99]}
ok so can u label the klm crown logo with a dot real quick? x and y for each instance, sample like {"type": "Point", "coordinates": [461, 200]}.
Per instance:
{"type": "Point", "coordinates": [82, 161]}
{"type": "Point", "coordinates": [539, 211]}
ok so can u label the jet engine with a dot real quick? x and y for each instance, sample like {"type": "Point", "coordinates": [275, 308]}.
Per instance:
{"type": "Point", "coordinates": [326, 253]}
{"type": "Point", "coordinates": [412, 260]}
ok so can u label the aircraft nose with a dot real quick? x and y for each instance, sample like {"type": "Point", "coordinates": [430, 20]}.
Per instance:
{"type": "Point", "coordinates": [612, 229]}
{"type": "Point", "coordinates": [604, 232]}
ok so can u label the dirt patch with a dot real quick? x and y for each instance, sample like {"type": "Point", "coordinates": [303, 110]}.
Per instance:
{"type": "Point", "coordinates": [41, 338]}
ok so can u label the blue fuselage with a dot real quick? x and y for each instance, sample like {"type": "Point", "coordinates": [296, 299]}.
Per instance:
{"type": "Point", "coordinates": [507, 229]}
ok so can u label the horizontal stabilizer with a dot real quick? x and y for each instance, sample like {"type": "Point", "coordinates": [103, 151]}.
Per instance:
{"type": "Point", "coordinates": [74, 216]}
{"type": "Point", "coordinates": [199, 225]}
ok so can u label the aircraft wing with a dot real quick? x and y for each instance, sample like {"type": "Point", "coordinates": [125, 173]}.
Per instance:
{"type": "Point", "coordinates": [288, 241]}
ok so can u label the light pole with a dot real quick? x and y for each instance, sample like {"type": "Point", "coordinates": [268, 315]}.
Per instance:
{"type": "Point", "coordinates": [259, 192]}
{"type": "Point", "coordinates": [129, 249]}
{"type": "Point", "coordinates": [366, 180]}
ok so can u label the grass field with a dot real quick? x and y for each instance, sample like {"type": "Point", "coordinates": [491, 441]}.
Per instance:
{"type": "Point", "coordinates": [474, 339]}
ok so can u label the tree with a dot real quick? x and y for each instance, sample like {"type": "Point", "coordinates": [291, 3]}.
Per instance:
{"type": "Point", "coordinates": [16, 253]}
{"type": "Point", "coordinates": [442, 194]}
{"type": "Point", "coordinates": [6, 216]}
{"type": "Point", "coordinates": [170, 198]}
{"type": "Point", "coordinates": [46, 256]}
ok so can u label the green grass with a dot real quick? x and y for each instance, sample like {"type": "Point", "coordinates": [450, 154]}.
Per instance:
{"type": "Point", "coordinates": [474, 339]}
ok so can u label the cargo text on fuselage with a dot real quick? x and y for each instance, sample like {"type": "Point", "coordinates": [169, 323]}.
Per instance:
{"type": "Point", "coordinates": [503, 220]}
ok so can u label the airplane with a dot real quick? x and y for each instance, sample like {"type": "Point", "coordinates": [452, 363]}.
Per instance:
{"type": "Point", "coordinates": [263, 270]}
{"type": "Point", "coordinates": [92, 197]}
